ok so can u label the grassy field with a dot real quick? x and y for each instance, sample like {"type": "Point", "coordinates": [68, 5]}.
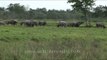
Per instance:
{"type": "Point", "coordinates": [52, 43]}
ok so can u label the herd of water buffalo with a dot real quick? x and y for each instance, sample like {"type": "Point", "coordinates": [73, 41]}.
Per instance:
{"type": "Point", "coordinates": [77, 24]}
{"type": "Point", "coordinates": [32, 23]}
{"type": "Point", "coordinates": [29, 23]}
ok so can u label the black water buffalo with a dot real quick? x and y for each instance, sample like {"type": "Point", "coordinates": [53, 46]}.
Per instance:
{"type": "Point", "coordinates": [29, 23]}
{"type": "Point", "coordinates": [2, 23]}
{"type": "Point", "coordinates": [74, 24]}
{"type": "Point", "coordinates": [42, 23]}
{"type": "Point", "coordinates": [100, 25]}
{"type": "Point", "coordinates": [35, 23]}
{"type": "Point", "coordinates": [62, 24]}
{"type": "Point", "coordinates": [11, 22]}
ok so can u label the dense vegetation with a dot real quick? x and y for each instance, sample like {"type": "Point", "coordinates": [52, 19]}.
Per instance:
{"type": "Point", "coordinates": [52, 43]}
{"type": "Point", "coordinates": [17, 11]}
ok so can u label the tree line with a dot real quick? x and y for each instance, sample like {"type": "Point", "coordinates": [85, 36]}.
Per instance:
{"type": "Point", "coordinates": [17, 11]}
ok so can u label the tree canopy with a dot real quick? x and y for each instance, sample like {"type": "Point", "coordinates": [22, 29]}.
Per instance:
{"type": "Point", "coordinates": [21, 12]}
{"type": "Point", "coordinates": [82, 5]}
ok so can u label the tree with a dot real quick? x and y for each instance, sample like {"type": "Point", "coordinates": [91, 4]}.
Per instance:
{"type": "Point", "coordinates": [3, 13]}
{"type": "Point", "coordinates": [53, 14]}
{"type": "Point", "coordinates": [41, 13]}
{"type": "Point", "coordinates": [84, 6]}
{"type": "Point", "coordinates": [16, 10]}
{"type": "Point", "coordinates": [100, 12]}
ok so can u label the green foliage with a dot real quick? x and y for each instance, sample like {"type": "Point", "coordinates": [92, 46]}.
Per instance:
{"type": "Point", "coordinates": [52, 43]}
{"type": "Point", "coordinates": [83, 5]}
{"type": "Point", "coordinates": [16, 8]}
{"type": "Point", "coordinates": [100, 11]}
{"type": "Point", "coordinates": [17, 11]}
{"type": "Point", "coordinates": [2, 9]}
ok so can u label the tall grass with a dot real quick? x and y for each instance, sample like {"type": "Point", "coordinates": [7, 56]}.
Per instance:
{"type": "Point", "coordinates": [52, 43]}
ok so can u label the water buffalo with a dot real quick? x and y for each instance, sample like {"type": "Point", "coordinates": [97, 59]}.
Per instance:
{"type": "Point", "coordinates": [101, 25]}
{"type": "Point", "coordinates": [74, 24]}
{"type": "Point", "coordinates": [29, 23]}
{"type": "Point", "coordinates": [42, 23]}
{"type": "Point", "coordinates": [12, 22]}
{"type": "Point", "coordinates": [62, 24]}
{"type": "Point", "coordinates": [2, 23]}
{"type": "Point", "coordinates": [35, 23]}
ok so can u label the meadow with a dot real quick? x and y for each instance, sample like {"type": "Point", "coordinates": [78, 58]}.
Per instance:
{"type": "Point", "coordinates": [52, 43]}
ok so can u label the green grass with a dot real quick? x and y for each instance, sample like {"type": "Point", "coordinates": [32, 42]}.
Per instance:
{"type": "Point", "coordinates": [52, 43]}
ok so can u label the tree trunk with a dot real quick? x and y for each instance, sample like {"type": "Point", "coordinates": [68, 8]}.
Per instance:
{"type": "Point", "coordinates": [88, 22]}
{"type": "Point", "coordinates": [85, 13]}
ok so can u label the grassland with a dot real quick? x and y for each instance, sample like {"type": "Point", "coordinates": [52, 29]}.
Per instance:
{"type": "Point", "coordinates": [52, 43]}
